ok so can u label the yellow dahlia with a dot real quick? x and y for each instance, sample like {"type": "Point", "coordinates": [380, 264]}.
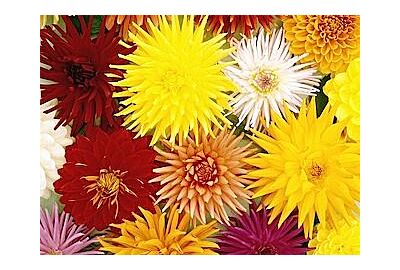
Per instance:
{"type": "Point", "coordinates": [345, 240]}
{"type": "Point", "coordinates": [308, 166]}
{"type": "Point", "coordinates": [207, 178]}
{"type": "Point", "coordinates": [331, 41]}
{"type": "Point", "coordinates": [48, 19]}
{"type": "Point", "coordinates": [160, 234]}
{"type": "Point", "coordinates": [344, 91]}
{"type": "Point", "coordinates": [175, 81]}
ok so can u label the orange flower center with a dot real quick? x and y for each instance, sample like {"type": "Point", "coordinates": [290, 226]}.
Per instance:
{"type": "Point", "coordinates": [202, 170]}
{"type": "Point", "coordinates": [107, 185]}
{"type": "Point", "coordinates": [315, 172]}
{"type": "Point", "coordinates": [334, 27]}
{"type": "Point", "coordinates": [265, 81]}
{"type": "Point", "coordinates": [80, 72]}
{"type": "Point", "coordinates": [55, 252]}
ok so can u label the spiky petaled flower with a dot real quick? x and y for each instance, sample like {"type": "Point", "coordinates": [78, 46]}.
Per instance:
{"type": "Point", "coordinates": [48, 19]}
{"type": "Point", "coordinates": [344, 91]}
{"type": "Point", "coordinates": [206, 178]}
{"type": "Point", "coordinates": [331, 41]}
{"type": "Point", "coordinates": [76, 65]}
{"type": "Point", "coordinates": [59, 235]}
{"type": "Point", "coordinates": [161, 234]}
{"type": "Point", "coordinates": [345, 240]}
{"type": "Point", "coordinates": [175, 81]}
{"type": "Point", "coordinates": [52, 148]}
{"type": "Point", "coordinates": [232, 24]}
{"type": "Point", "coordinates": [106, 177]}
{"type": "Point", "coordinates": [125, 23]}
{"type": "Point", "coordinates": [268, 78]}
{"type": "Point", "coordinates": [308, 166]}
{"type": "Point", "coordinates": [250, 234]}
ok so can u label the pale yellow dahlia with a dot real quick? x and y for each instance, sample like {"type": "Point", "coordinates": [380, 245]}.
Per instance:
{"type": "Point", "coordinates": [345, 240]}
{"type": "Point", "coordinates": [161, 234]}
{"type": "Point", "coordinates": [48, 19]}
{"type": "Point", "coordinates": [174, 81]}
{"type": "Point", "coordinates": [331, 41]}
{"type": "Point", "coordinates": [207, 178]}
{"type": "Point", "coordinates": [344, 91]}
{"type": "Point", "coordinates": [308, 166]}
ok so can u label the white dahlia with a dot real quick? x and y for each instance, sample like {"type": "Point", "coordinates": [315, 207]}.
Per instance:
{"type": "Point", "coordinates": [52, 148]}
{"type": "Point", "coordinates": [267, 77]}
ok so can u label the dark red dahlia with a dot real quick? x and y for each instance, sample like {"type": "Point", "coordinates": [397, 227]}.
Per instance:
{"type": "Point", "coordinates": [106, 177]}
{"type": "Point", "coordinates": [77, 65]}
{"type": "Point", "coordinates": [250, 234]}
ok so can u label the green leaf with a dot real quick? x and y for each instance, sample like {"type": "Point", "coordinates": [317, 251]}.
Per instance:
{"type": "Point", "coordinates": [322, 99]}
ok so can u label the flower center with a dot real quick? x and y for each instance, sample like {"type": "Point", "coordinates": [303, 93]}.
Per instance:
{"type": "Point", "coordinates": [80, 73]}
{"type": "Point", "coordinates": [315, 172]}
{"type": "Point", "coordinates": [107, 186]}
{"type": "Point", "coordinates": [172, 80]}
{"type": "Point", "coordinates": [202, 170]}
{"type": "Point", "coordinates": [55, 252]}
{"type": "Point", "coordinates": [265, 81]}
{"type": "Point", "coordinates": [332, 27]}
{"type": "Point", "coordinates": [269, 249]}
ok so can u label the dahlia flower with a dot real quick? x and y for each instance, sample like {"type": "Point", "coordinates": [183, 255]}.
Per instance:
{"type": "Point", "coordinates": [76, 65]}
{"type": "Point", "coordinates": [268, 78]}
{"type": "Point", "coordinates": [205, 178]}
{"type": "Point", "coordinates": [161, 234]}
{"type": "Point", "coordinates": [331, 41]}
{"type": "Point", "coordinates": [106, 177]}
{"type": "Point", "coordinates": [126, 26]}
{"type": "Point", "coordinates": [344, 91]}
{"type": "Point", "coordinates": [344, 240]}
{"type": "Point", "coordinates": [52, 149]}
{"type": "Point", "coordinates": [232, 24]}
{"type": "Point", "coordinates": [251, 234]}
{"type": "Point", "coordinates": [175, 81]}
{"type": "Point", "coordinates": [308, 166]}
{"type": "Point", "coordinates": [59, 235]}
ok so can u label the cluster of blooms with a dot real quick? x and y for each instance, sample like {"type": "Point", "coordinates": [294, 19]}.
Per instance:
{"type": "Point", "coordinates": [200, 134]}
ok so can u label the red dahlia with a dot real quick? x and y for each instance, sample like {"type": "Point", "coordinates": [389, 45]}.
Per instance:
{"type": "Point", "coordinates": [106, 177]}
{"type": "Point", "coordinates": [77, 65]}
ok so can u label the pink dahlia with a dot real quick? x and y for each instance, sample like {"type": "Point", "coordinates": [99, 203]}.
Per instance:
{"type": "Point", "coordinates": [59, 235]}
{"type": "Point", "coordinates": [250, 234]}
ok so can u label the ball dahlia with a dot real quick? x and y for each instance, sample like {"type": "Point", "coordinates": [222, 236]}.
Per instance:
{"type": "Point", "coordinates": [268, 78]}
{"type": "Point", "coordinates": [344, 240]}
{"type": "Point", "coordinates": [331, 41]}
{"type": "Point", "coordinates": [52, 148]}
{"type": "Point", "coordinates": [106, 177]}
{"type": "Point", "coordinates": [205, 178]}
{"type": "Point", "coordinates": [76, 66]}
{"type": "Point", "coordinates": [250, 234]}
{"type": "Point", "coordinates": [307, 166]}
{"type": "Point", "coordinates": [343, 91]}
{"type": "Point", "coordinates": [59, 235]}
{"type": "Point", "coordinates": [161, 234]}
{"type": "Point", "coordinates": [175, 81]}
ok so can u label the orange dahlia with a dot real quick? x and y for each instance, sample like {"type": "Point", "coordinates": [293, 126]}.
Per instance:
{"type": "Point", "coordinates": [205, 178]}
{"type": "Point", "coordinates": [331, 41]}
{"type": "Point", "coordinates": [231, 23]}
{"type": "Point", "coordinates": [125, 23]}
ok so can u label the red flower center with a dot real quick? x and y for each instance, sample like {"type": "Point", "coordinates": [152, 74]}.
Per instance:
{"type": "Point", "coordinates": [80, 72]}
{"type": "Point", "coordinates": [332, 27]}
{"type": "Point", "coordinates": [202, 170]}
{"type": "Point", "coordinates": [268, 249]}
{"type": "Point", "coordinates": [107, 185]}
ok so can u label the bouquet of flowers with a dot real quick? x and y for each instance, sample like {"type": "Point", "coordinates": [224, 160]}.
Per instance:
{"type": "Point", "coordinates": [200, 134]}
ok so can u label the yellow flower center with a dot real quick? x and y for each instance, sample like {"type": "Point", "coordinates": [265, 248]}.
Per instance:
{"type": "Point", "coordinates": [315, 172]}
{"type": "Point", "coordinates": [201, 170]}
{"type": "Point", "coordinates": [55, 252]}
{"type": "Point", "coordinates": [333, 27]}
{"type": "Point", "coordinates": [265, 81]}
{"type": "Point", "coordinates": [107, 185]}
{"type": "Point", "coordinates": [173, 80]}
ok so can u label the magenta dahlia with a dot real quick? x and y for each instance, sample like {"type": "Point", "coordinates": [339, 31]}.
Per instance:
{"type": "Point", "coordinates": [250, 234]}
